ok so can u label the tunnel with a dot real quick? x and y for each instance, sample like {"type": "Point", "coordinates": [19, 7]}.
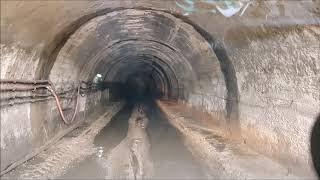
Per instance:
{"type": "Point", "coordinates": [159, 47]}
{"type": "Point", "coordinates": [226, 84]}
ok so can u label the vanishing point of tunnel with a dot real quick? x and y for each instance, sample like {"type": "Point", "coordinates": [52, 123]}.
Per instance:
{"type": "Point", "coordinates": [151, 89]}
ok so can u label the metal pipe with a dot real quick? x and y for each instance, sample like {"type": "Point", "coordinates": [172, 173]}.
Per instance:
{"type": "Point", "coordinates": [23, 101]}
{"type": "Point", "coordinates": [13, 95]}
{"type": "Point", "coordinates": [14, 81]}
{"type": "Point", "coordinates": [48, 86]}
{"type": "Point", "coordinates": [30, 97]}
{"type": "Point", "coordinates": [24, 88]}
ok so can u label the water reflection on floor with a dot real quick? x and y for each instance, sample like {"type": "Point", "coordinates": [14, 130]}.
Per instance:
{"type": "Point", "coordinates": [171, 158]}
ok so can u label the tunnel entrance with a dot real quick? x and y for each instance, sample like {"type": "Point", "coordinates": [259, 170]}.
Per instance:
{"type": "Point", "coordinates": [152, 54]}
{"type": "Point", "coordinates": [160, 46]}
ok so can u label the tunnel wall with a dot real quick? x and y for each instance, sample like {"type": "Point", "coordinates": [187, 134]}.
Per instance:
{"type": "Point", "coordinates": [278, 73]}
{"type": "Point", "coordinates": [27, 126]}
{"type": "Point", "coordinates": [211, 97]}
{"type": "Point", "coordinates": [16, 126]}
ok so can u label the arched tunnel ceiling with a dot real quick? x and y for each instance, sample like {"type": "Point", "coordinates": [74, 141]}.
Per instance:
{"type": "Point", "coordinates": [115, 44]}
{"type": "Point", "coordinates": [164, 77]}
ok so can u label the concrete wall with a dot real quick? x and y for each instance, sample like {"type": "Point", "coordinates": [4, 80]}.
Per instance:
{"type": "Point", "coordinates": [16, 62]}
{"type": "Point", "coordinates": [211, 95]}
{"type": "Point", "coordinates": [278, 77]}
{"type": "Point", "coordinates": [27, 126]}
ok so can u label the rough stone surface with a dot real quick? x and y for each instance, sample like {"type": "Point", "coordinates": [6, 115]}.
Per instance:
{"type": "Point", "coordinates": [17, 63]}
{"type": "Point", "coordinates": [279, 85]}
{"type": "Point", "coordinates": [226, 158]}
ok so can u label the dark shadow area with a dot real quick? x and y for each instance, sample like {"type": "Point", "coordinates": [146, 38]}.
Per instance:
{"type": "Point", "coordinates": [315, 145]}
{"type": "Point", "coordinates": [138, 87]}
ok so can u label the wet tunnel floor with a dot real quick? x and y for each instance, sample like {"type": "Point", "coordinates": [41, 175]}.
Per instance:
{"type": "Point", "coordinates": [109, 137]}
{"type": "Point", "coordinates": [171, 159]}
